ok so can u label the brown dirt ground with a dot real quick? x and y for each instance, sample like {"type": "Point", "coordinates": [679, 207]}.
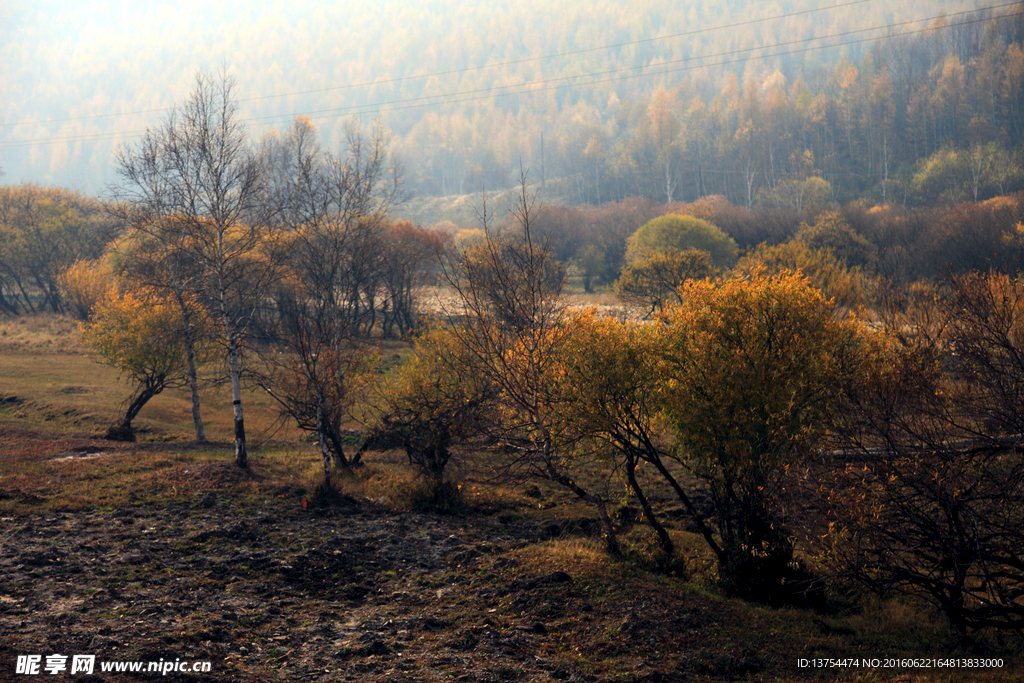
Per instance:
{"type": "Point", "coordinates": [346, 594]}
{"type": "Point", "coordinates": [272, 591]}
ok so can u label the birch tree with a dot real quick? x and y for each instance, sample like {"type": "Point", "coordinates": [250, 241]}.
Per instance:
{"type": "Point", "coordinates": [200, 169]}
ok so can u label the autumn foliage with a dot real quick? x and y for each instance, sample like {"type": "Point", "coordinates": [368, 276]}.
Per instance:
{"type": "Point", "coordinates": [752, 373]}
{"type": "Point", "coordinates": [927, 498]}
{"type": "Point", "coordinates": [139, 332]}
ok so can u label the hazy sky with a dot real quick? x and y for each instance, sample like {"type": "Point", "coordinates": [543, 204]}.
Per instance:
{"type": "Point", "coordinates": [79, 78]}
{"type": "Point", "coordinates": [65, 67]}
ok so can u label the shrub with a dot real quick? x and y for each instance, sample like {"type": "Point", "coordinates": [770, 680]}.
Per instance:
{"type": "Point", "coordinates": [831, 231]}
{"type": "Point", "coordinates": [752, 371]}
{"type": "Point", "coordinates": [431, 402]}
{"type": "Point", "coordinates": [83, 284]}
{"type": "Point", "coordinates": [820, 266]}
{"type": "Point", "coordinates": [934, 504]}
{"type": "Point", "coordinates": [681, 233]}
{"type": "Point", "coordinates": [654, 281]}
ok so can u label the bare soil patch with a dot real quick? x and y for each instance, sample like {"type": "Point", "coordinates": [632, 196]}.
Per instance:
{"type": "Point", "coordinates": [202, 561]}
{"type": "Point", "coordinates": [23, 445]}
{"type": "Point", "coordinates": [343, 594]}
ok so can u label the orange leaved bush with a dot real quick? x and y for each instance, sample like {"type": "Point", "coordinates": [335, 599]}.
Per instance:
{"type": "Point", "coordinates": [139, 333]}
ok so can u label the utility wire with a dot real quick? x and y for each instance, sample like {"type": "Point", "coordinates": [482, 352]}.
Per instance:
{"type": "Point", "coordinates": [531, 87]}
{"type": "Point", "coordinates": [514, 62]}
{"type": "Point", "coordinates": [571, 53]}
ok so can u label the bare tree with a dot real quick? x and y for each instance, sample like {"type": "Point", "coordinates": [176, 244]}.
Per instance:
{"type": "Point", "coordinates": [931, 501]}
{"type": "Point", "coordinates": [200, 170]}
{"type": "Point", "coordinates": [410, 261]}
{"type": "Point", "coordinates": [334, 212]}
{"type": "Point", "coordinates": [514, 324]}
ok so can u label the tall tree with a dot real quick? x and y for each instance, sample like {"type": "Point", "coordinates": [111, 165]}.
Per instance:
{"type": "Point", "coordinates": [335, 212]}
{"type": "Point", "coordinates": [210, 179]}
{"type": "Point", "coordinates": [669, 145]}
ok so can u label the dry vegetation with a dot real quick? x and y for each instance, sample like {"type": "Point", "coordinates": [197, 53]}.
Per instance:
{"type": "Point", "coordinates": [163, 549]}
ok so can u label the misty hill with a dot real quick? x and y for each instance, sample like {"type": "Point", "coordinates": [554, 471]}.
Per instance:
{"type": "Point", "coordinates": [469, 91]}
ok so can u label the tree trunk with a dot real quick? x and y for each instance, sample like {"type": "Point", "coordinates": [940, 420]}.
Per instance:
{"type": "Point", "coordinates": [25, 296]}
{"type": "Point", "coordinates": [8, 306]}
{"type": "Point", "coordinates": [193, 378]}
{"type": "Point", "coordinates": [241, 454]}
{"type": "Point", "coordinates": [690, 507]}
{"type": "Point", "coordinates": [325, 451]}
{"type": "Point", "coordinates": [663, 537]}
{"type": "Point", "coordinates": [610, 538]}
{"type": "Point", "coordinates": [123, 431]}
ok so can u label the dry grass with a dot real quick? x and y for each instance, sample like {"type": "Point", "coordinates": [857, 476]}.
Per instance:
{"type": "Point", "coordinates": [53, 461]}
{"type": "Point", "coordinates": [585, 557]}
{"type": "Point", "coordinates": [442, 301]}
{"type": "Point", "coordinates": [40, 333]}
{"type": "Point", "coordinates": [105, 477]}
{"type": "Point", "coordinates": [62, 387]}
{"type": "Point", "coordinates": [742, 641]}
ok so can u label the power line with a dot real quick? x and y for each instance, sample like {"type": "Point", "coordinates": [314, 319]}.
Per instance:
{"type": "Point", "coordinates": [692, 67]}
{"type": "Point", "coordinates": [530, 87]}
{"type": "Point", "coordinates": [527, 60]}
{"type": "Point", "coordinates": [490, 91]}
{"type": "Point", "coordinates": [469, 68]}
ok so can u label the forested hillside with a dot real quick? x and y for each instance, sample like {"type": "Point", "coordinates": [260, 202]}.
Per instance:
{"type": "Point", "coordinates": [928, 116]}
{"type": "Point", "coordinates": [908, 103]}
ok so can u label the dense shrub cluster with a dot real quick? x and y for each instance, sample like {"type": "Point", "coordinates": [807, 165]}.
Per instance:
{"type": "Point", "coordinates": [886, 443]}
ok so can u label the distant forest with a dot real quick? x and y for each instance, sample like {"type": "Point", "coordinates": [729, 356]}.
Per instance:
{"type": "Point", "coordinates": [935, 115]}
{"type": "Point", "coordinates": [769, 104]}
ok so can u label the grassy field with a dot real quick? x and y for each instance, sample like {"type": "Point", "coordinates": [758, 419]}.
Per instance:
{"type": "Point", "coordinates": [494, 614]}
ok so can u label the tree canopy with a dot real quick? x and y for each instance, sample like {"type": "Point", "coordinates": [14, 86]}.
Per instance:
{"type": "Point", "coordinates": [681, 232]}
{"type": "Point", "coordinates": [139, 332]}
{"type": "Point", "coordinates": [753, 370]}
